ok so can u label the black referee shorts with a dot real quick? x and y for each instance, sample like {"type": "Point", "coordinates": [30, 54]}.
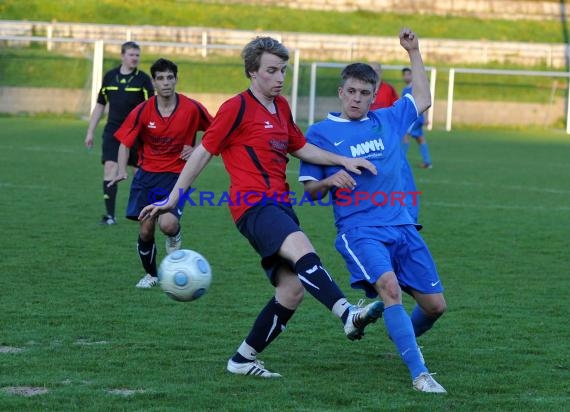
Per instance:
{"type": "Point", "coordinates": [110, 150]}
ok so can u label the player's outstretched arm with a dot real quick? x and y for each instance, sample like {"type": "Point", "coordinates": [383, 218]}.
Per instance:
{"type": "Point", "coordinates": [93, 122]}
{"type": "Point", "coordinates": [194, 166]}
{"type": "Point", "coordinates": [312, 154]}
{"type": "Point", "coordinates": [421, 91]}
{"type": "Point", "coordinates": [122, 160]}
{"type": "Point", "coordinates": [318, 189]}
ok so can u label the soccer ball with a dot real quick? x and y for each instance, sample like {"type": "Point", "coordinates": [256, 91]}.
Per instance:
{"type": "Point", "coordinates": [184, 275]}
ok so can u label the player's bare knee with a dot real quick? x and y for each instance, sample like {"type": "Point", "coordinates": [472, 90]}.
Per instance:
{"type": "Point", "coordinates": [168, 226]}
{"type": "Point", "coordinates": [295, 246]}
{"type": "Point", "coordinates": [296, 294]}
{"type": "Point", "coordinates": [109, 170]}
{"type": "Point", "coordinates": [435, 307]}
{"type": "Point", "coordinates": [439, 308]}
{"type": "Point", "coordinates": [290, 294]}
{"type": "Point", "coordinates": [146, 230]}
{"type": "Point", "coordinates": [389, 289]}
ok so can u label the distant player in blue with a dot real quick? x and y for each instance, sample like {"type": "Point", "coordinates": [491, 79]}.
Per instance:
{"type": "Point", "coordinates": [377, 235]}
{"type": "Point", "coordinates": [416, 130]}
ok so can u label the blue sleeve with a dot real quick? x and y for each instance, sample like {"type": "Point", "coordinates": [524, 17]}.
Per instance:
{"type": "Point", "coordinates": [310, 171]}
{"type": "Point", "coordinates": [403, 114]}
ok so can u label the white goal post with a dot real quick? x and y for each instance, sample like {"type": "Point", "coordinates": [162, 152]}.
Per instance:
{"type": "Point", "coordinates": [313, 86]}
{"type": "Point", "coordinates": [497, 72]}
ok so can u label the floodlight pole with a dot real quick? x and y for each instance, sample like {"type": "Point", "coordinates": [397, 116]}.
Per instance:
{"type": "Point", "coordinates": [432, 80]}
{"type": "Point", "coordinates": [295, 87]}
{"type": "Point", "coordinates": [313, 93]}
{"type": "Point", "coordinates": [568, 110]}
{"type": "Point", "coordinates": [450, 100]}
{"type": "Point", "coordinates": [97, 72]}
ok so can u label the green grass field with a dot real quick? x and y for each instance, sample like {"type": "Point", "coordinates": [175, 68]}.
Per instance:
{"type": "Point", "coordinates": [253, 17]}
{"type": "Point", "coordinates": [496, 210]}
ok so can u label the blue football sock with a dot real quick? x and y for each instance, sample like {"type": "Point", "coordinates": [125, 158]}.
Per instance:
{"type": "Point", "coordinates": [270, 322]}
{"type": "Point", "coordinates": [405, 147]}
{"type": "Point", "coordinates": [317, 281]}
{"type": "Point", "coordinates": [424, 150]}
{"type": "Point", "coordinates": [422, 323]}
{"type": "Point", "coordinates": [401, 332]}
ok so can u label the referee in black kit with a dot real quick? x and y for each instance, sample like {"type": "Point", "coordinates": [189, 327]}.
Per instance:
{"type": "Point", "coordinates": [123, 88]}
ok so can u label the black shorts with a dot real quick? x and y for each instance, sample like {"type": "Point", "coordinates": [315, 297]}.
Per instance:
{"type": "Point", "coordinates": [110, 151]}
{"type": "Point", "coordinates": [266, 226]}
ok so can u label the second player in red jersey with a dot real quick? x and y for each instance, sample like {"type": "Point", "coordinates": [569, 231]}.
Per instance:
{"type": "Point", "coordinates": [162, 138]}
{"type": "Point", "coordinates": [386, 95]}
{"type": "Point", "coordinates": [165, 128]}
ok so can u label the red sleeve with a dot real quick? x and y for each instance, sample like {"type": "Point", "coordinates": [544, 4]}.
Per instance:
{"type": "Point", "coordinates": [227, 120]}
{"type": "Point", "coordinates": [296, 137]}
{"type": "Point", "coordinates": [131, 127]}
{"type": "Point", "coordinates": [395, 96]}
{"type": "Point", "coordinates": [204, 121]}
{"type": "Point", "coordinates": [205, 117]}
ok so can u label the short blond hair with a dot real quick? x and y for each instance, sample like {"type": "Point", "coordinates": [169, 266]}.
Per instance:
{"type": "Point", "coordinates": [252, 52]}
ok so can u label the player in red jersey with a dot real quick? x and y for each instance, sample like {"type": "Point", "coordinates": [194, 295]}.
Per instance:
{"type": "Point", "coordinates": [165, 128]}
{"type": "Point", "coordinates": [386, 95]}
{"type": "Point", "coordinates": [254, 132]}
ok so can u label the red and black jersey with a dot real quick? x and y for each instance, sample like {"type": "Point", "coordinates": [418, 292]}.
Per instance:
{"type": "Point", "coordinates": [254, 144]}
{"type": "Point", "coordinates": [161, 139]}
{"type": "Point", "coordinates": [386, 96]}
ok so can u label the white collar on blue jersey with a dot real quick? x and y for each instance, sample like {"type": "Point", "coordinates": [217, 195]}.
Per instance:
{"type": "Point", "coordinates": [335, 117]}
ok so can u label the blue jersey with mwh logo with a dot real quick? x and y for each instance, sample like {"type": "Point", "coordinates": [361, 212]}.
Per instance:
{"type": "Point", "coordinates": [380, 200]}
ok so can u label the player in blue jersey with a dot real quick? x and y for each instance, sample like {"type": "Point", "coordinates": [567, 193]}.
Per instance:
{"type": "Point", "coordinates": [416, 131]}
{"type": "Point", "coordinates": [377, 235]}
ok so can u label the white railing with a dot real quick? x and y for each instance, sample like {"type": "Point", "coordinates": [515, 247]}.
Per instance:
{"type": "Point", "coordinates": [496, 72]}
{"type": "Point", "coordinates": [99, 54]}
{"type": "Point", "coordinates": [313, 46]}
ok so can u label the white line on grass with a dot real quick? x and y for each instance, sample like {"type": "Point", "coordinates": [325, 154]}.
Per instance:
{"type": "Point", "coordinates": [42, 149]}
{"type": "Point", "coordinates": [487, 185]}
{"type": "Point", "coordinates": [27, 187]}
{"type": "Point", "coordinates": [498, 207]}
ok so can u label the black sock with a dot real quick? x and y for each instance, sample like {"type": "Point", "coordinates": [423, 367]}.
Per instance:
{"type": "Point", "coordinates": [270, 322]}
{"type": "Point", "coordinates": [147, 254]}
{"type": "Point", "coordinates": [317, 281]}
{"type": "Point", "coordinates": [110, 197]}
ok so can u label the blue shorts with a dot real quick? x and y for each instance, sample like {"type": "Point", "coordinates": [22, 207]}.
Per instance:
{"type": "Point", "coordinates": [416, 130]}
{"type": "Point", "coordinates": [151, 188]}
{"type": "Point", "coordinates": [371, 251]}
{"type": "Point", "coordinates": [266, 226]}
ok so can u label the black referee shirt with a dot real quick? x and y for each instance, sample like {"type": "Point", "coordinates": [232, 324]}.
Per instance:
{"type": "Point", "coordinates": [123, 92]}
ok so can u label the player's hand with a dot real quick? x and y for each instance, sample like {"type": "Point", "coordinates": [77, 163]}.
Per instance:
{"type": "Point", "coordinates": [409, 39]}
{"type": "Point", "coordinates": [119, 178]}
{"type": "Point", "coordinates": [186, 152]}
{"type": "Point", "coordinates": [152, 211]}
{"type": "Point", "coordinates": [89, 141]}
{"type": "Point", "coordinates": [355, 165]}
{"type": "Point", "coordinates": [341, 180]}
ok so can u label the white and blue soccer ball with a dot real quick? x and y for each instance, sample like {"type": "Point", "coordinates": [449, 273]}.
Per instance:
{"type": "Point", "coordinates": [185, 275]}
